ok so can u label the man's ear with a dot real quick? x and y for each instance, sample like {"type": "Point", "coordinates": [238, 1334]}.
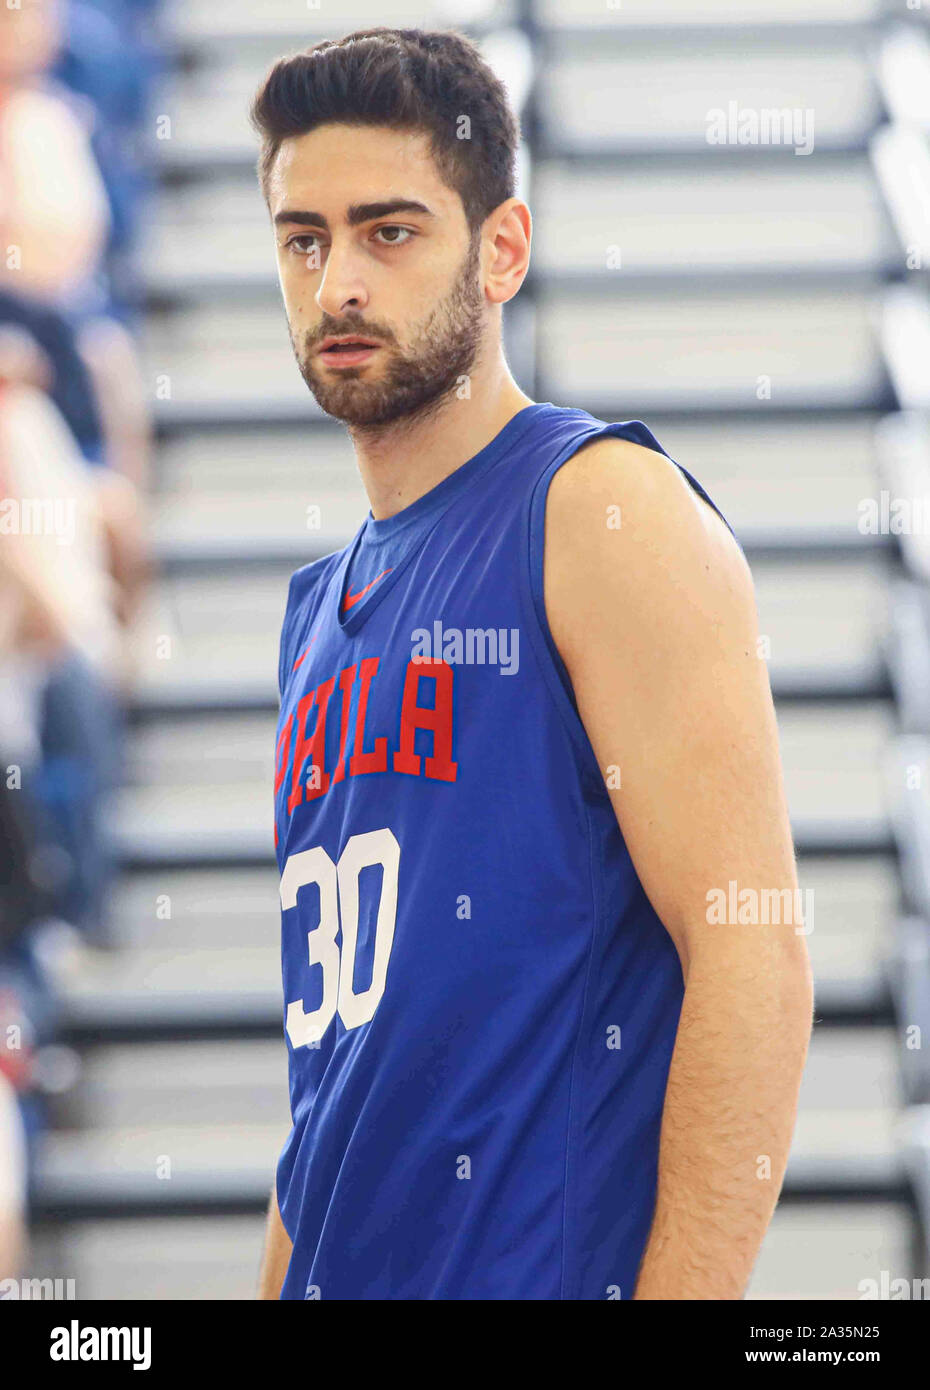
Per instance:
{"type": "Point", "coordinates": [509, 231]}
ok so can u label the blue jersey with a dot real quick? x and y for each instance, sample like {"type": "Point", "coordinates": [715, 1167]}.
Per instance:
{"type": "Point", "coordinates": [480, 1001]}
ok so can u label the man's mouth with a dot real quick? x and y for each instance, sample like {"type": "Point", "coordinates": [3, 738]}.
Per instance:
{"type": "Point", "coordinates": [346, 352]}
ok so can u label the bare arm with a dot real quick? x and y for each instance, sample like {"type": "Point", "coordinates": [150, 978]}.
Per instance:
{"type": "Point", "coordinates": [656, 623]}
{"type": "Point", "coordinates": [277, 1253]}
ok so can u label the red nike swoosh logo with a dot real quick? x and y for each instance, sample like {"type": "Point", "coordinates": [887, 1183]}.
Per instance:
{"type": "Point", "coordinates": [303, 654]}
{"type": "Point", "coordinates": [351, 599]}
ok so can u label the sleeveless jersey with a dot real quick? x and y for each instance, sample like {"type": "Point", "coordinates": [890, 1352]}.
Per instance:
{"type": "Point", "coordinates": [480, 1001]}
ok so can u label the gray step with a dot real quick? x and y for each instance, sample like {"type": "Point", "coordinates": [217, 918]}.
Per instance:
{"type": "Point", "coordinates": [822, 217]}
{"type": "Point", "coordinates": [639, 350]}
{"type": "Point", "coordinates": [205, 1085]}
{"type": "Point", "coordinates": [219, 1154]}
{"type": "Point", "coordinates": [219, 631]}
{"type": "Point", "coordinates": [850, 1101]}
{"type": "Point", "coordinates": [207, 1257]}
{"type": "Point", "coordinates": [676, 15]}
{"type": "Point", "coordinates": [645, 91]}
{"type": "Point", "coordinates": [788, 472]}
{"type": "Point", "coordinates": [833, 761]}
{"type": "Point", "coordinates": [817, 1251]}
{"type": "Point", "coordinates": [799, 473]}
{"type": "Point", "coordinates": [242, 486]}
{"type": "Point", "coordinates": [237, 912]}
{"type": "Point", "coordinates": [810, 1252]}
{"type": "Point", "coordinates": [701, 348]}
{"type": "Point", "coordinates": [687, 220]}
{"type": "Point", "coordinates": [213, 776]}
{"type": "Point", "coordinates": [198, 953]}
{"type": "Point", "coordinates": [305, 24]}
{"type": "Point", "coordinates": [210, 911]}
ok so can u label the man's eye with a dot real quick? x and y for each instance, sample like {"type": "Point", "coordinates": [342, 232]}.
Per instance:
{"type": "Point", "coordinates": [394, 236]}
{"type": "Point", "coordinates": [302, 244]}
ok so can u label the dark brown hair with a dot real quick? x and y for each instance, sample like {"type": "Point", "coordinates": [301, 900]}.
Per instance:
{"type": "Point", "coordinates": [409, 79]}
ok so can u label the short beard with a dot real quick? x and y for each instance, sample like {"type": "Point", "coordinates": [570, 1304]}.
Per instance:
{"type": "Point", "coordinates": [417, 382]}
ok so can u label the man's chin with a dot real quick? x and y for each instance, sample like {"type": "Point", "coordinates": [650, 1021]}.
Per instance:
{"type": "Point", "coordinates": [355, 408]}
{"type": "Point", "coordinates": [344, 400]}
{"type": "Point", "coordinates": [359, 403]}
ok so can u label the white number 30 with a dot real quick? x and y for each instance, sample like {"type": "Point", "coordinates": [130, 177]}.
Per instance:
{"type": "Point", "coordinates": [338, 884]}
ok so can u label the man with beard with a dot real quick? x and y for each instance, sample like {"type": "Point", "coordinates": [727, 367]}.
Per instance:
{"type": "Point", "coordinates": [526, 1062]}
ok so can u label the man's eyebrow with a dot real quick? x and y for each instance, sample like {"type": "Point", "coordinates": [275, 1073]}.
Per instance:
{"type": "Point", "coordinates": [357, 214]}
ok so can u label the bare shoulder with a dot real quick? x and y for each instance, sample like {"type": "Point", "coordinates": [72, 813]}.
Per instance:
{"type": "Point", "coordinates": [612, 485]}
{"type": "Point", "coordinates": [630, 544]}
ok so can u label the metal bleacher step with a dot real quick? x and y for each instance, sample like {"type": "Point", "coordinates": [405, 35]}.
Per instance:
{"type": "Point", "coordinates": [811, 1251]}
{"type": "Point", "coordinates": [648, 349]}
{"type": "Point", "coordinates": [280, 24]}
{"type": "Point", "coordinates": [153, 1257]}
{"type": "Point", "coordinates": [158, 994]}
{"type": "Point", "coordinates": [185, 1087]}
{"type": "Point", "coordinates": [804, 473]}
{"type": "Point", "coordinates": [211, 777]}
{"type": "Point", "coordinates": [195, 954]}
{"type": "Point", "coordinates": [793, 490]}
{"type": "Point", "coordinates": [666, 224]}
{"type": "Point", "coordinates": [158, 1119]}
{"type": "Point", "coordinates": [760, 16]}
{"type": "Point", "coordinates": [657, 346]}
{"type": "Point", "coordinates": [818, 1250]}
{"type": "Point", "coordinates": [212, 635]}
{"type": "Point", "coordinates": [649, 80]}
{"type": "Point", "coordinates": [658, 86]}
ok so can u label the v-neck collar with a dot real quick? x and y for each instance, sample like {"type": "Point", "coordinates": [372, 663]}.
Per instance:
{"type": "Point", "coordinates": [420, 518]}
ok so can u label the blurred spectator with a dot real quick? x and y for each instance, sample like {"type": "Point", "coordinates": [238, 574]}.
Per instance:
{"type": "Point", "coordinates": [30, 327]}
{"type": "Point", "coordinates": [105, 56]}
{"type": "Point", "coordinates": [12, 1181]}
{"type": "Point", "coordinates": [53, 574]}
{"type": "Point", "coordinates": [55, 221]}
{"type": "Point", "coordinates": [71, 400]}
{"type": "Point", "coordinates": [27, 1008]}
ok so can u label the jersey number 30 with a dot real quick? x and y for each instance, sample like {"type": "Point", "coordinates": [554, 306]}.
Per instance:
{"type": "Point", "coordinates": [338, 885]}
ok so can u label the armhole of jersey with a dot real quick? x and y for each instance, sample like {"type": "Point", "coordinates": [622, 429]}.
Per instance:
{"type": "Point", "coordinates": [283, 642]}
{"type": "Point", "coordinates": [547, 653]}
{"type": "Point", "coordinates": [551, 663]}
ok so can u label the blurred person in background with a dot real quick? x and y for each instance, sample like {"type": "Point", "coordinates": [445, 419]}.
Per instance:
{"type": "Point", "coordinates": [54, 543]}
{"type": "Point", "coordinates": [60, 661]}
{"type": "Point", "coordinates": [12, 1181]}
{"type": "Point", "coordinates": [74, 448]}
{"type": "Point", "coordinates": [56, 222]}
{"type": "Point", "coordinates": [75, 432]}
{"type": "Point", "coordinates": [108, 56]}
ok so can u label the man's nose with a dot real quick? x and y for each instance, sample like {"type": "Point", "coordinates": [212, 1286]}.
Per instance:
{"type": "Point", "coordinates": [341, 286]}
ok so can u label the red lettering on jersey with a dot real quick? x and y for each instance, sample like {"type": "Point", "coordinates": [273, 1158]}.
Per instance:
{"type": "Point", "coordinates": [346, 678]}
{"type": "Point", "coordinates": [312, 749]}
{"type": "Point", "coordinates": [360, 761]}
{"type": "Point", "coordinates": [438, 720]}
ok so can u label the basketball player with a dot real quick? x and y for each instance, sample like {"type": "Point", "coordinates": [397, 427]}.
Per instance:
{"type": "Point", "coordinates": [525, 740]}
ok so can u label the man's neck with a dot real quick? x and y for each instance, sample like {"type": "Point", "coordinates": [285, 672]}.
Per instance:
{"type": "Point", "coordinates": [400, 463]}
